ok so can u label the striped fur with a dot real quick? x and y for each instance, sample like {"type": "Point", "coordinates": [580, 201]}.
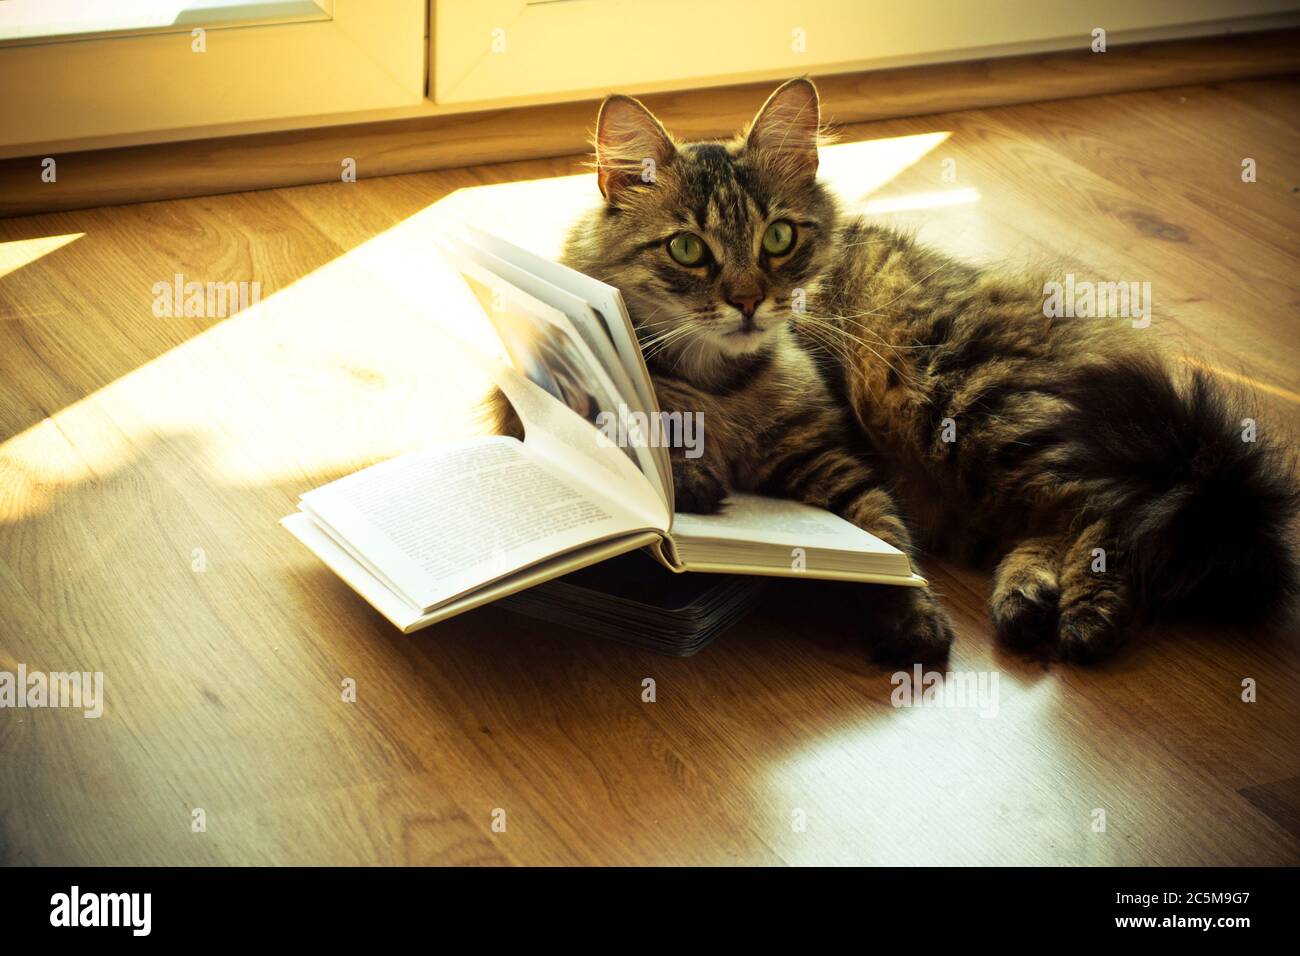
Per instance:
{"type": "Point", "coordinates": [880, 379]}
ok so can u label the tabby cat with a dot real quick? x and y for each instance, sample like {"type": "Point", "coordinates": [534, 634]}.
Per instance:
{"type": "Point", "coordinates": [929, 402]}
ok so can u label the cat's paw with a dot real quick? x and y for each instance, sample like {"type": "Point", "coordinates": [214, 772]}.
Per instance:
{"type": "Point", "coordinates": [1086, 633]}
{"type": "Point", "coordinates": [1025, 616]}
{"type": "Point", "coordinates": [697, 488]}
{"type": "Point", "coordinates": [917, 631]}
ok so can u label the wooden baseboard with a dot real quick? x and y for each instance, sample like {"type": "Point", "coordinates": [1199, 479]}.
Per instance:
{"type": "Point", "coordinates": [291, 158]}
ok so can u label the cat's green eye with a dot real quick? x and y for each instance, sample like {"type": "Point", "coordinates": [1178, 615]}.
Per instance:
{"type": "Point", "coordinates": [779, 238]}
{"type": "Point", "coordinates": [688, 249]}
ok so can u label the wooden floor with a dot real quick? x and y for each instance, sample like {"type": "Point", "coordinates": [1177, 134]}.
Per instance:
{"type": "Point", "coordinates": [145, 460]}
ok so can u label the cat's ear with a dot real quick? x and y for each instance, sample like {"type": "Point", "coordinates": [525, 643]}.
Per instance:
{"type": "Point", "coordinates": [631, 145]}
{"type": "Point", "coordinates": [784, 132]}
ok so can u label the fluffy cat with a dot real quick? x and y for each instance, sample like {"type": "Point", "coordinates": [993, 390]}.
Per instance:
{"type": "Point", "coordinates": [925, 400]}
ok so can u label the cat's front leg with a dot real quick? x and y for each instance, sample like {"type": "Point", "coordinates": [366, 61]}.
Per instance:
{"type": "Point", "coordinates": [699, 484]}
{"type": "Point", "coordinates": [906, 624]}
{"type": "Point", "coordinates": [701, 447]}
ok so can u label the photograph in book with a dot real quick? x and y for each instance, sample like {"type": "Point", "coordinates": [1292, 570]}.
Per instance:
{"type": "Point", "coordinates": [545, 354]}
{"type": "Point", "coordinates": [595, 309]}
{"type": "Point", "coordinates": [546, 349]}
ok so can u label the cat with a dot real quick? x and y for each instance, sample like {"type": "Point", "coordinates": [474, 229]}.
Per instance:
{"type": "Point", "coordinates": [932, 403]}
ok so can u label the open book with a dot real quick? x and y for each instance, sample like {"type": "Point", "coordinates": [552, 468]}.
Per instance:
{"type": "Point", "coordinates": [432, 533]}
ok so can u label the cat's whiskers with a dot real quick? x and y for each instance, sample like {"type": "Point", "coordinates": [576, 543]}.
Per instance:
{"type": "Point", "coordinates": [680, 347]}
{"type": "Point", "coordinates": [700, 341]}
{"type": "Point", "coordinates": [657, 343]}
{"type": "Point", "coordinates": [835, 348]}
{"type": "Point", "coordinates": [864, 327]}
{"type": "Point", "coordinates": [672, 320]}
{"type": "Point", "coordinates": [833, 329]}
{"type": "Point", "coordinates": [914, 285]}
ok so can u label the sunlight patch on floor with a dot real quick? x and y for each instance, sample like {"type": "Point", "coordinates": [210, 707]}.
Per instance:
{"type": "Point", "coordinates": [903, 760]}
{"type": "Point", "coordinates": [20, 252]}
{"type": "Point", "coordinates": [856, 170]}
{"type": "Point", "coordinates": [347, 366]}
{"type": "Point", "coordinates": [934, 200]}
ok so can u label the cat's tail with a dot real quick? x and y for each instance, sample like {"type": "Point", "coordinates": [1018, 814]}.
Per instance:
{"type": "Point", "coordinates": [1200, 493]}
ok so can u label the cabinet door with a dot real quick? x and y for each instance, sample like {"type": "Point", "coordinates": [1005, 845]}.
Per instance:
{"type": "Point", "coordinates": [507, 52]}
{"type": "Point", "coordinates": [102, 89]}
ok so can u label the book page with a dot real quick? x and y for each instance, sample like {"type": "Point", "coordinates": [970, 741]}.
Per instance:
{"type": "Point", "coordinates": [545, 348]}
{"type": "Point", "coordinates": [559, 391]}
{"type": "Point", "coordinates": [756, 535]}
{"type": "Point", "coordinates": [408, 618]}
{"type": "Point", "coordinates": [607, 303]}
{"type": "Point", "coordinates": [589, 324]}
{"type": "Point", "coordinates": [779, 522]}
{"type": "Point", "coordinates": [558, 436]}
{"type": "Point", "coordinates": [436, 524]}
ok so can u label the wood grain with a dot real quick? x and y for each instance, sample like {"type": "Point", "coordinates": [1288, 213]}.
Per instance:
{"type": "Point", "coordinates": [128, 441]}
{"type": "Point", "coordinates": [264, 160]}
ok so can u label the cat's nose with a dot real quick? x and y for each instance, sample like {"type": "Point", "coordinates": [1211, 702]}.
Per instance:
{"type": "Point", "coordinates": [747, 301]}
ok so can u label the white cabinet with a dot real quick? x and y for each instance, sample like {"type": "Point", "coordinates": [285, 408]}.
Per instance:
{"type": "Point", "coordinates": [358, 55]}
{"type": "Point", "coordinates": [508, 52]}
